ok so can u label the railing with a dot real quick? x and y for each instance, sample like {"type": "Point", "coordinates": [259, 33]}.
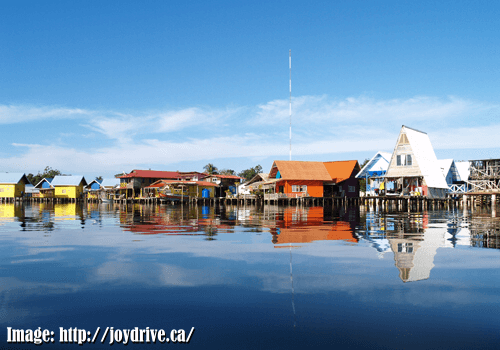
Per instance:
{"type": "Point", "coordinates": [276, 196]}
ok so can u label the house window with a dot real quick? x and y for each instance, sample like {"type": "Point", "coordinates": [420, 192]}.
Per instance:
{"type": "Point", "coordinates": [63, 191]}
{"type": "Point", "coordinates": [404, 160]}
{"type": "Point", "coordinates": [298, 188]}
{"type": "Point", "coordinates": [408, 159]}
{"type": "Point", "coordinates": [352, 188]}
{"type": "Point", "coordinates": [2, 189]}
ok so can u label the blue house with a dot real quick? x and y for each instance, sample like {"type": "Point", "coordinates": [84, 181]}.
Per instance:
{"type": "Point", "coordinates": [374, 171]}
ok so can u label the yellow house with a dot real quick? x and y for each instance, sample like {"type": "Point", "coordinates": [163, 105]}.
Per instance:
{"type": "Point", "coordinates": [12, 184]}
{"type": "Point", "coordinates": [69, 187]}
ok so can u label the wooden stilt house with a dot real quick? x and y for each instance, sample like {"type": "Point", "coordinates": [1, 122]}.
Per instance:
{"type": "Point", "coordinates": [68, 187]}
{"type": "Point", "coordinates": [46, 190]}
{"type": "Point", "coordinates": [12, 185]}
{"type": "Point", "coordinates": [414, 168]}
{"type": "Point", "coordinates": [374, 171]}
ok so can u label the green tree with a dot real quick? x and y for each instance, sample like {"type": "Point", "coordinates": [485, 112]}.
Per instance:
{"type": "Point", "coordinates": [362, 182]}
{"type": "Point", "coordinates": [210, 169]}
{"type": "Point", "coordinates": [47, 172]}
{"type": "Point", "coordinates": [249, 173]}
{"type": "Point", "coordinates": [227, 172]}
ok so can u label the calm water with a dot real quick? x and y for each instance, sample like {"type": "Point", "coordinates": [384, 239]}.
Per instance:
{"type": "Point", "coordinates": [254, 278]}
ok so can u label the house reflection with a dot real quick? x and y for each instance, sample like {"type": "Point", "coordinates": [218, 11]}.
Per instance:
{"type": "Point", "coordinates": [306, 225]}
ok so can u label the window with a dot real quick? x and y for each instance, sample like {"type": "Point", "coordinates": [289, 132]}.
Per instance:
{"type": "Point", "coordinates": [404, 160]}
{"type": "Point", "coordinates": [408, 159]}
{"type": "Point", "coordinates": [352, 188]}
{"type": "Point", "coordinates": [304, 188]}
{"type": "Point", "coordinates": [295, 188]}
{"type": "Point", "coordinates": [63, 191]}
{"type": "Point", "coordinates": [2, 189]}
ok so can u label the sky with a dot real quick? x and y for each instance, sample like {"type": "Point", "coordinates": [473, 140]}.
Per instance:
{"type": "Point", "coordinates": [97, 88]}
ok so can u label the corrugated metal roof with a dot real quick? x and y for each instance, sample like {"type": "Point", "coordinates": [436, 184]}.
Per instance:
{"type": "Point", "coordinates": [74, 180]}
{"type": "Point", "coordinates": [12, 178]}
{"type": "Point", "coordinates": [341, 170]}
{"type": "Point", "coordinates": [298, 170]}
{"type": "Point", "coordinates": [152, 174]}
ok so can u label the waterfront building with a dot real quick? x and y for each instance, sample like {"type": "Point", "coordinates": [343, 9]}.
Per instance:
{"type": "Point", "coordinates": [225, 183]}
{"type": "Point", "coordinates": [45, 188]}
{"type": "Point", "coordinates": [314, 179]}
{"type": "Point", "coordinates": [414, 168]}
{"type": "Point", "coordinates": [12, 185]}
{"type": "Point", "coordinates": [255, 183]}
{"type": "Point", "coordinates": [68, 187]}
{"type": "Point", "coordinates": [374, 171]}
{"type": "Point", "coordinates": [131, 184]}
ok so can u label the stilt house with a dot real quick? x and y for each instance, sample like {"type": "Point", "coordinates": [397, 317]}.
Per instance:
{"type": "Point", "coordinates": [374, 171]}
{"type": "Point", "coordinates": [12, 185]}
{"type": "Point", "coordinates": [70, 187]}
{"type": "Point", "coordinates": [414, 168]}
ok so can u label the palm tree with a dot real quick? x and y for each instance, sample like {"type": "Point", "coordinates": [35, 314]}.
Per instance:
{"type": "Point", "coordinates": [210, 168]}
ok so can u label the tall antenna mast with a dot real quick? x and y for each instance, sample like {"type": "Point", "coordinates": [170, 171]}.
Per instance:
{"type": "Point", "coordinates": [290, 64]}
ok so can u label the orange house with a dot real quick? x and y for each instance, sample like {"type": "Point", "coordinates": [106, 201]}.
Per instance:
{"type": "Point", "coordinates": [308, 225]}
{"type": "Point", "coordinates": [298, 178]}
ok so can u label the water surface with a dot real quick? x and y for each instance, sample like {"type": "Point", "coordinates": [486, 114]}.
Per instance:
{"type": "Point", "coordinates": [254, 277]}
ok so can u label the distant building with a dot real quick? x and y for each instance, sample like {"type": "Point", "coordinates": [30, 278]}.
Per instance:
{"type": "Point", "coordinates": [12, 185]}
{"type": "Point", "coordinates": [69, 187]}
{"type": "Point", "coordinates": [131, 184]}
{"type": "Point", "coordinates": [45, 188]}
{"type": "Point", "coordinates": [224, 183]}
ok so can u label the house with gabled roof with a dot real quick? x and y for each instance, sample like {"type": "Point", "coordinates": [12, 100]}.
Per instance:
{"type": "Point", "coordinates": [294, 178]}
{"type": "Point", "coordinates": [314, 179]}
{"type": "Point", "coordinates": [131, 184]}
{"type": "Point", "coordinates": [343, 176]}
{"type": "Point", "coordinates": [414, 168]}
{"type": "Point", "coordinates": [255, 183]}
{"type": "Point", "coordinates": [374, 171]}
{"type": "Point", "coordinates": [100, 189]}
{"type": "Point", "coordinates": [224, 183]}
{"type": "Point", "coordinates": [450, 171]}
{"type": "Point", "coordinates": [12, 185]}
{"type": "Point", "coordinates": [46, 190]}
{"type": "Point", "coordinates": [68, 187]}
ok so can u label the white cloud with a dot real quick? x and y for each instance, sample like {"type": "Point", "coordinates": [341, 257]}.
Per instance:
{"type": "Point", "coordinates": [321, 125]}
{"type": "Point", "coordinates": [22, 114]}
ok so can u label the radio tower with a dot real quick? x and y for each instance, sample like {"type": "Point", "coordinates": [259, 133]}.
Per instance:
{"type": "Point", "coordinates": [290, 65]}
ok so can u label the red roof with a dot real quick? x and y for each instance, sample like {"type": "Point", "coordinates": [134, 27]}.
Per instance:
{"type": "Point", "coordinates": [155, 174]}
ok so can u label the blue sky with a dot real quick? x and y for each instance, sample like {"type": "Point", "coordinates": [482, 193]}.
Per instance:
{"type": "Point", "coordinates": [101, 87]}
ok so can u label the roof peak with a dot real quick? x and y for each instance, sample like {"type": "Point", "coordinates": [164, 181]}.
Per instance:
{"type": "Point", "coordinates": [407, 127]}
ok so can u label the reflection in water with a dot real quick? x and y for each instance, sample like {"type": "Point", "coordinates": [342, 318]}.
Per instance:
{"type": "Point", "coordinates": [217, 268]}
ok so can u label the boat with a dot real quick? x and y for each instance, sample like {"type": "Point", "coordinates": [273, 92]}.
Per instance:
{"type": "Point", "coordinates": [166, 197]}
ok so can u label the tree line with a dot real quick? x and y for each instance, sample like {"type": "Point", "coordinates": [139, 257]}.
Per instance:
{"type": "Point", "coordinates": [247, 174]}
